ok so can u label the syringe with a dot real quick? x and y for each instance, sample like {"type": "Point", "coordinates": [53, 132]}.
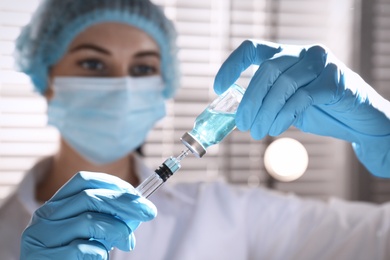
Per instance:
{"type": "Point", "coordinates": [160, 175]}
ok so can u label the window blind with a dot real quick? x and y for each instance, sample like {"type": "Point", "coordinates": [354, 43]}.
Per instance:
{"type": "Point", "coordinates": [208, 32]}
{"type": "Point", "coordinates": [23, 136]}
{"type": "Point", "coordinates": [381, 77]}
{"type": "Point", "coordinates": [375, 69]}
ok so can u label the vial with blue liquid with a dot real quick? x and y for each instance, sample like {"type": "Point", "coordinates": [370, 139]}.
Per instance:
{"type": "Point", "coordinates": [215, 122]}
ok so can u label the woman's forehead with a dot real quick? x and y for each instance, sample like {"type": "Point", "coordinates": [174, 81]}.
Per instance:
{"type": "Point", "coordinates": [117, 36]}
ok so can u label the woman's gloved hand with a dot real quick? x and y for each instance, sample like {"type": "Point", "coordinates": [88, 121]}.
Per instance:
{"type": "Point", "coordinates": [306, 86]}
{"type": "Point", "coordinates": [85, 219]}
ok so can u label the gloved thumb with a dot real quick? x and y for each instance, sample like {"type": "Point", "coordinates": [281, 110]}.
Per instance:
{"type": "Point", "coordinates": [247, 54]}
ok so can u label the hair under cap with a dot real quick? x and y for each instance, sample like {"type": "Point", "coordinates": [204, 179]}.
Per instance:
{"type": "Point", "coordinates": [55, 24]}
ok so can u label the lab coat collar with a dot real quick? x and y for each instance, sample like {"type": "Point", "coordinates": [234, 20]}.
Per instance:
{"type": "Point", "coordinates": [26, 188]}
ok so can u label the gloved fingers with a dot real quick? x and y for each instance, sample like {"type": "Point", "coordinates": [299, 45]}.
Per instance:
{"type": "Point", "coordinates": [92, 180]}
{"type": "Point", "coordinates": [76, 250]}
{"type": "Point", "coordinates": [309, 95]}
{"type": "Point", "coordinates": [248, 53]}
{"type": "Point", "coordinates": [110, 231]}
{"type": "Point", "coordinates": [259, 85]}
{"type": "Point", "coordinates": [294, 107]}
{"type": "Point", "coordinates": [295, 77]}
{"type": "Point", "coordinates": [123, 205]}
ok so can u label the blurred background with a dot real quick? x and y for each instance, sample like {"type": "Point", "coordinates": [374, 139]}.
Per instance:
{"type": "Point", "coordinates": [357, 31]}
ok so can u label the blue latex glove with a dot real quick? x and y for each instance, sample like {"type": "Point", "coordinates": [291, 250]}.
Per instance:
{"type": "Point", "coordinates": [85, 219]}
{"type": "Point", "coordinates": [306, 86]}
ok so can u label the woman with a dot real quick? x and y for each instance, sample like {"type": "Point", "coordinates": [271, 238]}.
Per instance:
{"type": "Point", "coordinates": [105, 68]}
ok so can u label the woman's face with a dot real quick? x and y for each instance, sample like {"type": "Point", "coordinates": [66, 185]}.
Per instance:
{"type": "Point", "coordinates": [109, 50]}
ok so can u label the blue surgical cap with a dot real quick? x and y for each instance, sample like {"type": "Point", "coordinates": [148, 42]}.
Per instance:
{"type": "Point", "coordinates": [55, 24]}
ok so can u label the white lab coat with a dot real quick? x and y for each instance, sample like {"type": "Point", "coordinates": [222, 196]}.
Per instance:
{"type": "Point", "coordinates": [212, 221]}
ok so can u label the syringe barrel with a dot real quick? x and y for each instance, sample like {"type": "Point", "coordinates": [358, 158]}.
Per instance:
{"type": "Point", "coordinates": [153, 182]}
{"type": "Point", "coordinates": [149, 185]}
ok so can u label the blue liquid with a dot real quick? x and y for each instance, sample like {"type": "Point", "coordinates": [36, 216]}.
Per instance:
{"type": "Point", "coordinates": [212, 127]}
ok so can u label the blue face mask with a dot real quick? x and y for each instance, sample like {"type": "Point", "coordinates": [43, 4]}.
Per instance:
{"type": "Point", "coordinates": [104, 119]}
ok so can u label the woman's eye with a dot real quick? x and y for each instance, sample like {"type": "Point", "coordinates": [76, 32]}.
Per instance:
{"type": "Point", "coordinates": [94, 65]}
{"type": "Point", "coordinates": [143, 70]}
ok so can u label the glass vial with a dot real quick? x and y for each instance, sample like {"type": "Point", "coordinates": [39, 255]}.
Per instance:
{"type": "Point", "coordinates": [215, 122]}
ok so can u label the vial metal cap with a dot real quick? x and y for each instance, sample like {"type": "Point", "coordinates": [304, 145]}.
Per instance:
{"type": "Point", "coordinates": [191, 143]}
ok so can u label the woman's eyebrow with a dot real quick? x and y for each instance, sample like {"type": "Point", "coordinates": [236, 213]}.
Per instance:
{"type": "Point", "coordinates": [91, 47]}
{"type": "Point", "coordinates": [147, 53]}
